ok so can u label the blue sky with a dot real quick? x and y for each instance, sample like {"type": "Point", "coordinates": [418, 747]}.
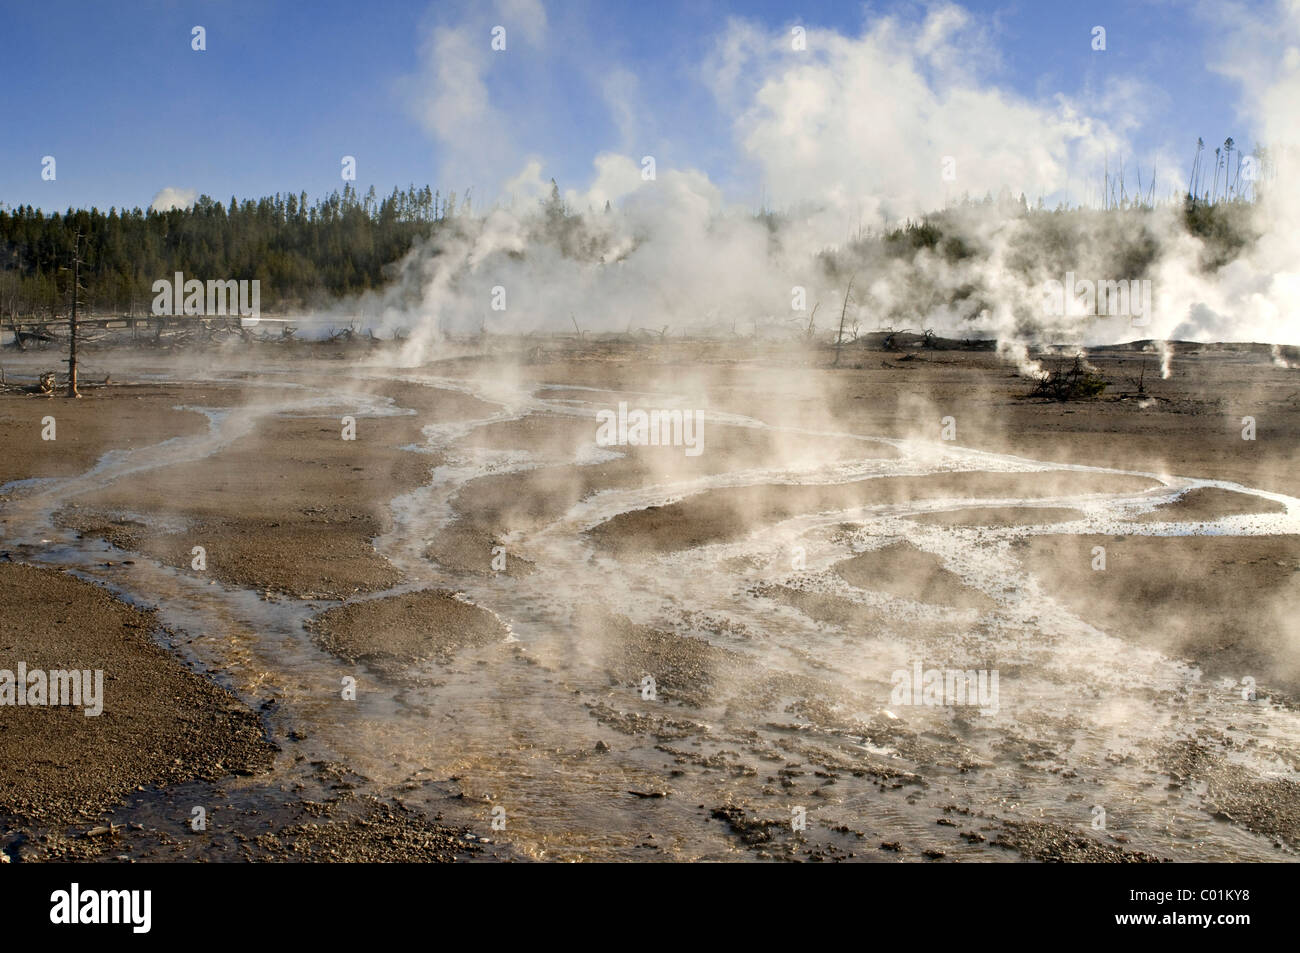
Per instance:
{"type": "Point", "coordinates": [284, 90]}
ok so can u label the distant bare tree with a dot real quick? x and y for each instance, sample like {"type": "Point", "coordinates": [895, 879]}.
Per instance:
{"type": "Point", "coordinates": [844, 310]}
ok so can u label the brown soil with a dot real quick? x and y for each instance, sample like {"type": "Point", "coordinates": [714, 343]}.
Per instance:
{"type": "Point", "coordinates": [725, 514]}
{"type": "Point", "coordinates": [161, 723]}
{"type": "Point", "coordinates": [508, 502]}
{"type": "Point", "coordinates": [394, 633]}
{"type": "Point", "coordinates": [291, 507]}
{"type": "Point", "coordinates": [1210, 503]}
{"type": "Point", "coordinates": [1226, 602]}
{"type": "Point", "coordinates": [999, 516]}
{"type": "Point", "coordinates": [113, 418]}
{"type": "Point", "coordinates": [901, 569]}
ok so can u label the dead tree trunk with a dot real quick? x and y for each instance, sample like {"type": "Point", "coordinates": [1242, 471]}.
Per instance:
{"type": "Point", "coordinates": [839, 336]}
{"type": "Point", "coordinates": [72, 327]}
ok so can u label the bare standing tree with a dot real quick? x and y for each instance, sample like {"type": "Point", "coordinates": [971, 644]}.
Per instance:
{"type": "Point", "coordinates": [1195, 188]}
{"type": "Point", "coordinates": [1230, 190]}
{"type": "Point", "coordinates": [839, 337]}
{"type": "Point", "coordinates": [72, 321]}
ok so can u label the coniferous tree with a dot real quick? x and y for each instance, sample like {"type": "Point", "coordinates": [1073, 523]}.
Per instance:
{"type": "Point", "coordinates": [303, 253]}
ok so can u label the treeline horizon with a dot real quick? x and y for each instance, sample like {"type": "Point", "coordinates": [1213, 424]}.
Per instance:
{"type": "Point", "coordinates": [307, 255]}
{"type": "Point", "coordinates": [302, 253]}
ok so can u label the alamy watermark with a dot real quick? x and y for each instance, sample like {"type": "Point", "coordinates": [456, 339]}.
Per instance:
{"type": "Point", "coordinates": [76, 906]}
{"type": "Point", "coordinates": [1083, 298]}
{"type": "Point", "coordinates": [940, 687]}
{"type": "Point", "coordinates": [180, 296]}
{"type": "Point", "coordinates": [79, 688]}
{"type": "Point", "coordinates": [654, 428]}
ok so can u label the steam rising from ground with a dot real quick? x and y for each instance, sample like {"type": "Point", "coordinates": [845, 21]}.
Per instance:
{"type": "Point", "coordinates": [169, 198]}
{"type": "Point", "coordinates": [849, 136]}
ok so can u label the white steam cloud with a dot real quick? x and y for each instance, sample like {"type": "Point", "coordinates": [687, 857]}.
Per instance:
{"type": "Point", "coordinates": [851, 134]}
{"type": "Point", "coordinates": [169, 198]}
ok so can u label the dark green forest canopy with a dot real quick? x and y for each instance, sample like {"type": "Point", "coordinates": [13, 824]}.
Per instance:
{"type": "Point", "coordinates": [311, 255]}
{"type": "Point", "coordinates": [302, 253]}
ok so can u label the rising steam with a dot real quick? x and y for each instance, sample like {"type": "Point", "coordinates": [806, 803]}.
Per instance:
{"type": "Point", "coordinates": [851, 136]}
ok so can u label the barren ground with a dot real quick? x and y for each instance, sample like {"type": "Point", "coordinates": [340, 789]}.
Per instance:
{"type": "Point", "coordinates": [470, 632]}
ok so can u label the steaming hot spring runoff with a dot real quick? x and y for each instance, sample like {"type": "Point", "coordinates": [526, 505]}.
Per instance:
{"type": "Point", "coordinates": [555, 432]}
